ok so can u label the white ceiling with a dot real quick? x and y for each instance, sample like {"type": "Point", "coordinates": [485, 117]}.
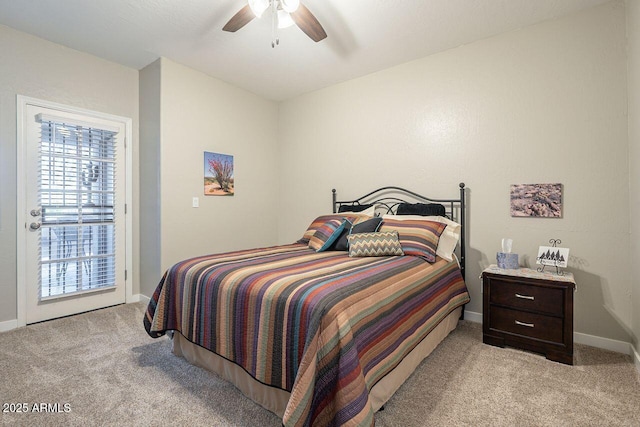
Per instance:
{"type": "Point", "coordinates": [364, 36]}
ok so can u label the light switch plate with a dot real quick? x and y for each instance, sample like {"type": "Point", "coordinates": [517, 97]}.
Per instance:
{"type": "Point", "coordinates": [196, 202]}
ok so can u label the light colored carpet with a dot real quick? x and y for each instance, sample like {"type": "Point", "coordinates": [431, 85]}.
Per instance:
{"type": "Point", "coordinates": [109, 372]}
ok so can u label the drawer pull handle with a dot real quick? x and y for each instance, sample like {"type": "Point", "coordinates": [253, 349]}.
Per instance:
{"type": "Point", "coordinates": [528, 325]}
{"type": "Point", "coordinates": [525, 297]}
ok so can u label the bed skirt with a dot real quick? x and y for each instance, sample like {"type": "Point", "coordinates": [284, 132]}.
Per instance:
{"type": "Point", "coordinates": [275, 399]}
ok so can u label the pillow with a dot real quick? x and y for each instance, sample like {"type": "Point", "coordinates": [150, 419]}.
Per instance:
{"type": "Point", "coordinates": [448, 239]}
{"type": "Point", "coordinates": [424, 209]}
{"type": "Point", "coordinates": [341, 243]}
{"type": "Point", "coordinates": [326, 234]}
{"type": "Point", "coordinates": [366, 209]}
{"type": "Point", "coordinates": [417, 237]}
{"type": "Point", "coordinates": [374, 244]}
{"type": "Point", "coordinates": [319, 221]}
{"type": "Point", "coordinates": [361, 225]}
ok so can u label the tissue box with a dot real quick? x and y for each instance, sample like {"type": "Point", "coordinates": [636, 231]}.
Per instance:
{"type": "Point", "coordinates": [507, 260]}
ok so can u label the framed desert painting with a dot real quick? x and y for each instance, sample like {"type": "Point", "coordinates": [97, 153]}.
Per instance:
{"type": "Point", "coordinates": [218, 174]}
{"type": "Point", "coordinates": [536, 200]}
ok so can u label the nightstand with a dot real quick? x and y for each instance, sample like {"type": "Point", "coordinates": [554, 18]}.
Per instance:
{"type": "Point", "coordinates": [526, 309]}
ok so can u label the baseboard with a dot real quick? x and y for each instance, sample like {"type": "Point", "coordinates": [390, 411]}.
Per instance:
{"type": "Point", "coordinates": [604, 343]}
{"type": "Point", "coordinates": [138, 298]}
{"type": "Point", "coordinates": [8, 325]}
{"type": "Point", "coordinates": [472, 316]}
{"type": "Point", "coordinates": [580, 338]}
{"type": "Point", "coordinates": [142, 298]}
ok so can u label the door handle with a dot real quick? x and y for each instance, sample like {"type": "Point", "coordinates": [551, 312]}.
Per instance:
{"type": "Point", "coordinates": [34, 226]}
{"type": "Point", "coordinates": [36, 212]}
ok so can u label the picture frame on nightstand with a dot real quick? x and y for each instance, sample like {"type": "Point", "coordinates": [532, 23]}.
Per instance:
{"type": "Point", "coordinates": [553, 256]}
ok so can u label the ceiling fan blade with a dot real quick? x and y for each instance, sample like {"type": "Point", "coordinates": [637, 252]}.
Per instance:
{"type": "Point", "coordinates": [239, 20]}
{"type": "Point", "coordinates": [308, 23]}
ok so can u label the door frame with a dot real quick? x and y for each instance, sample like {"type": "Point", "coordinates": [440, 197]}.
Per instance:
{"type": "Point", "coordinates": [21, 226]}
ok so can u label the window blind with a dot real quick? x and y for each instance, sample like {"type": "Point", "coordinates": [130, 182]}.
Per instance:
{"type": "Point", "coordinates": [76, 193]}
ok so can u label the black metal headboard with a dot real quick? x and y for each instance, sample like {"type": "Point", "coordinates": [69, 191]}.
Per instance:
{"type": "Point", "coordinates": [388, 199]}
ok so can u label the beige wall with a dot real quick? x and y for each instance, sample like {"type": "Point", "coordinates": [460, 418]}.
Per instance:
{"type": "Point", "coordinates": [199, 113]}
{"type": "Point", "coordinates": [633, 36]}
{"type": "Point", "coordinates": [36, 68]}
{"type": "Point", "coordinates": [545, 104]}
{"type": "Point", "coordinates": [150, 177]}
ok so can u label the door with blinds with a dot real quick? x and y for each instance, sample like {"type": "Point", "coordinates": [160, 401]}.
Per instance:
{"type": "Point", "coordinates": [74, 219]}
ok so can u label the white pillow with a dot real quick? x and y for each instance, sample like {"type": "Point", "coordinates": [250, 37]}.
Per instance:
{"type": "Point", "coordinates": [449, 237]}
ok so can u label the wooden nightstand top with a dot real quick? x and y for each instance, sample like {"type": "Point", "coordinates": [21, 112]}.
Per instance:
{"type": "Point", "coordinates": [530, 273]}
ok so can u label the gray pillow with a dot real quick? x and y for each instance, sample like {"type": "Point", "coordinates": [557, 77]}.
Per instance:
{"type": "Point", "coordinates": [369, 226]}
{"type": "Point", "coordinates": [424, 209]}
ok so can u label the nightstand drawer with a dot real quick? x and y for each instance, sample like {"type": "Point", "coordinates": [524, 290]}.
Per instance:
{"type": "Point", "coordinates": [529, 297]}
{"type": "Point", "coordinates": [527, 324]}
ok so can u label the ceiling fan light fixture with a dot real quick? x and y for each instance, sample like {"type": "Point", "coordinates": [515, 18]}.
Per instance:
{"type": "Point", "coordinates": [282, 14]}
{"type": "Point", "coordinates": [284, 19]}
{"type": "Point", "coordinates": [290, 6]}
{"type": "Point", "coordinates": [258, 7]}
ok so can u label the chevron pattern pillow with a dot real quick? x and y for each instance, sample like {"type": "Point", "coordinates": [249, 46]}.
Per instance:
{"type": "Point", "coordinates": [374, 244]}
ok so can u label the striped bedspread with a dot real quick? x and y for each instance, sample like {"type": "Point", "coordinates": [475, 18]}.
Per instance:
{"type": "Point", "coordinates": [323, 326]}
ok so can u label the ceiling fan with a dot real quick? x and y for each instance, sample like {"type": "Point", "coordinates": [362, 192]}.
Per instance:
{"type": "Point", "coordinates": [284, 14]}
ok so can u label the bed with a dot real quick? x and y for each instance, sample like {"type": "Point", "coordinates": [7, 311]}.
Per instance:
{"type": "Point", "coordinates": [316, 333]}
